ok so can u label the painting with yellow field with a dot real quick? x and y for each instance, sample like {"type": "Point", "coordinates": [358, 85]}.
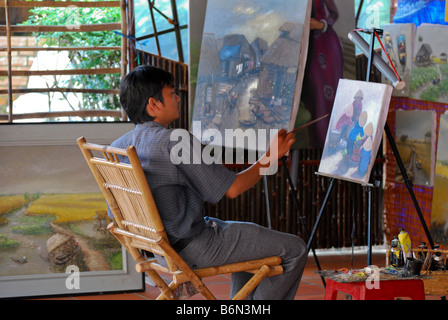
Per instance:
{"type": "Point", "coordinates": [45, 233]}
{"type": "Point", "coordinates": [53, 220]}
{"type": "Point", "coordinates": [439, 214]}
{"type": "Point", "coordinates": [70, 207]}
{"type": "Point", "coordinates": [415, 138]}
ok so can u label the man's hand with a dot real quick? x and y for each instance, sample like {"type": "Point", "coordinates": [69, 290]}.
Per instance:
{"type": "Point", "coordinates": [267, 164]}
{"type": "Point", "coordinates": [278, 147]}
{"type": "Point", "coordinates": [280, 144]}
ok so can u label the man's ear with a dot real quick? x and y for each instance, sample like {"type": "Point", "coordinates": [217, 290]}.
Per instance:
{"type": "Point", "coordinates": [152, 108]}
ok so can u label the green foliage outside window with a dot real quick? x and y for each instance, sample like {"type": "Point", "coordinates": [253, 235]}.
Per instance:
{"type": "Point", "coordinates": [71, 17]}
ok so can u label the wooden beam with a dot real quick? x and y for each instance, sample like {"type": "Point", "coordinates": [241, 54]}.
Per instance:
{"type": "Point", "coordinates": [59, 72]}
{"type": "Point", "coordinates": [99, 48]}
{"type": "Point", "coordinates": [73, 28]}
{"type": "Point", "coordinates": [9, 57]}
{"type": "Point", "coordinates": [57, 114]}
{"type": "Point", "coordinates": [58, 4]}
{"type": "Point", "coordinates": [65, 90]}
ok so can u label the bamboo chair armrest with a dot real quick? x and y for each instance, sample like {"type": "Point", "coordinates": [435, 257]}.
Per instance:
{"type": "Point", "coordinates": [153, 264]}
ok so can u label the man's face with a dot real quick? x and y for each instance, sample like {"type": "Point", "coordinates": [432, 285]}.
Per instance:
{"type": "Point", "coordinates": [170, 109]}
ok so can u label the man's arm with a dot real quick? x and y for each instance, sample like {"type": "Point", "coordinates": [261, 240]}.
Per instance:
{"type": "Point", "coordinates": [246, 179]}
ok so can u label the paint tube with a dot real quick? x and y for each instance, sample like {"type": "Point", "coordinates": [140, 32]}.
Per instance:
{"type": "Point", "coordinates": [396, 255]}
{"type": "Point", "coordinates": [405, 242]}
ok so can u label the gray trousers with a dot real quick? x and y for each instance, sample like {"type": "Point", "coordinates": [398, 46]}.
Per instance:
{"type": "Point", "coordinates": [224, 242]}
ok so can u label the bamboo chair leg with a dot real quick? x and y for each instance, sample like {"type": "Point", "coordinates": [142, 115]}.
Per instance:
{"type": "Point", "coordinates": [195, 280]}
{"type": "Point", "coordinates": [173, 287]}
{"type": "Point", "coordinates": [164, 289]}
{"type": "Point", "coordinates": [252, 283]}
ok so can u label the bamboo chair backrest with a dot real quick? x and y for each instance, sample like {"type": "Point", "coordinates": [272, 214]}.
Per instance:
{"type": "Point", "coordinates": [120, 177]}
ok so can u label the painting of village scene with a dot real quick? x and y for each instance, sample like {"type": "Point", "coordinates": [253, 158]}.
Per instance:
{"type": "Point", "coordinates": [430, 71]}
{"type": "Point", "coordinates": [398, 40]}
{"type": "Point", "coordinates": [355, 130]}
{"type": "Point", "coordinates": [251, 64]}
{"type": "Point", "coordinates": [439, 213]}
{"type": "Point", "coordinates": [415, 140]}
{"type": "Point", "coordinates": [52, 214]}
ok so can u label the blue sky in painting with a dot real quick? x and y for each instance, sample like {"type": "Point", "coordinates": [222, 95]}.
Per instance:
{"type": "Point", "coordinates": [252, 17]}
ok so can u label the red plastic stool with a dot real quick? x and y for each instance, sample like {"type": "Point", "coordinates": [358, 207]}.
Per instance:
{"type": "Point", "coordinates": [388, 290]}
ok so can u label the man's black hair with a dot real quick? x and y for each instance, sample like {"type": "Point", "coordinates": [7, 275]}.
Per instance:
{"type": "Point", "coordinates": [138, 86]}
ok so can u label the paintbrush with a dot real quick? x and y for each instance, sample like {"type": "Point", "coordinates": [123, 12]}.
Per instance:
{"type": "Point", "coordinates": [309, 123]}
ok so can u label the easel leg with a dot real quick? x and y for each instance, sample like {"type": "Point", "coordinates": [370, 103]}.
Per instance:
{"type": "Point", "coordinates": [369, 225]}
{"type": "Point", "coordinates": [319, 217]}
{"type": "Point", "coordinates": [266, 195]}
{"type": "Point", "coordinates": [296, 202]}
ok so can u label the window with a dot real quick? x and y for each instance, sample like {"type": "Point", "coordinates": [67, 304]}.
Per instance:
{"type": "Point", "coordinates": [61, 61]}
{"type": "Point", "coordinates": [161, 28]}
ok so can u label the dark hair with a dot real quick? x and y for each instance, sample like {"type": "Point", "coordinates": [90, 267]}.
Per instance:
{"type": "Point", "coordinates": [138, 86]}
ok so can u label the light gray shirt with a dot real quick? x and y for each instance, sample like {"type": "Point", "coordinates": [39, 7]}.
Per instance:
{"type": "Point", "coordinates": [179, 190]}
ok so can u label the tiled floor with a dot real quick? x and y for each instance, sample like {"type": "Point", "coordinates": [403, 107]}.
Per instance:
{"type": "Point", "coordinates": [311, 286]}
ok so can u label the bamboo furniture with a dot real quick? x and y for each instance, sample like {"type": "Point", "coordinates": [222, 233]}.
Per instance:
{"type": "Point", "coordinates": [138, 225]}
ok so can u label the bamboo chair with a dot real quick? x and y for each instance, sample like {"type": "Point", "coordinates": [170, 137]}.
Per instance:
{"type": "Point", "coordinates": [138, 226]}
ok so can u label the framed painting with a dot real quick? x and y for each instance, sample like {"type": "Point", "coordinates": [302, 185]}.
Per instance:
{"type": "Point", "coordinates": [53, 236]}
{"type": "Point", "coordinates": [415, 133]}
{"type": "Point", "coordinates": [355, 130]}
{"type": "Point", "coordinates": [439, 212]}
{"type": "Point", "coordinates": [250, 69]}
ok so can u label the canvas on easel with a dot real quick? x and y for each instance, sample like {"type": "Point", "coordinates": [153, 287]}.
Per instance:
{"type": "Point", "coordinates": [251, 67]}
{"type": "Point", "coordinates": [355, 130]}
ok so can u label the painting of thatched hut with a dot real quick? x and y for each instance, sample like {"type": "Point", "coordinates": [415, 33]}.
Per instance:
{"type": "Point", "coordinates": [279, 64]}
{"type": "Point", "coordinates": [423, 56]}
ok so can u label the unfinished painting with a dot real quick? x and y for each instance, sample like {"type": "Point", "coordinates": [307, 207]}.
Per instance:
{"type": "Point", "coordinates": [355, 131]}
{"type": "Point", "coordinates": [430, 71]}
{"type": "Point", "coordinates": [398, 40]}
{"type": "Point", "coordinates": [439, 213]}
{"type": "Point", "coordinates": [251, 66]}
{"type": "Point", "coordinates": [415, 138]}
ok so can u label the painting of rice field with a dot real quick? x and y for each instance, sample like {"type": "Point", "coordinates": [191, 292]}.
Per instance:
{"type": "Point", "coordinates": [53, 216]}
{"type": "Point", "coordinates": [46, 233]}
{"type": "Point", "coordinates": [415, 138]}
{"type": "Point", "coordinates": [52, 213]}
{"type": "Point", "coordinates": [439, 214]}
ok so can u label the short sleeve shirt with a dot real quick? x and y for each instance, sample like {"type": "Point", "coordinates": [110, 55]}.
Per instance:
{"type": "Point", "coordinates": [179, 189]}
